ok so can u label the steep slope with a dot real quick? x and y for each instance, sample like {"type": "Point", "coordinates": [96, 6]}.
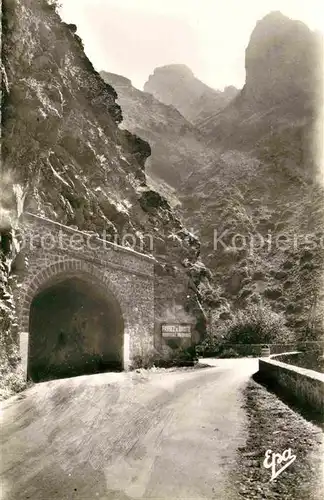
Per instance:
{"type": "Point", "coordinates": [266, 181]}
{"type": "Point", "coordinates": [177, 85]}
{"type": "Point", "coordinates": [62, 146]}
{"type": "Point", "coordinates": [283, 71]}
{"type": "Point", "coordinates": [177, 147]}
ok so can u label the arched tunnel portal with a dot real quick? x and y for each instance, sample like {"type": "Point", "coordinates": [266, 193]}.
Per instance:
{"type": "Point", "coordinates": [75, 327]}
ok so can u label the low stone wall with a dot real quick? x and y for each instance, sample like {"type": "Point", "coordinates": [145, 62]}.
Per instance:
{"type": "Point", "coordinates": [305, 386]}
{"type": "Point", "coordinates": [255, 349]}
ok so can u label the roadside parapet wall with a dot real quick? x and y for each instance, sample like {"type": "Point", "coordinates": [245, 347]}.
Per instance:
{"type": "Point", "coordinates": [255, 350]}
{"type": "Point", "coordinates": [305, 386]}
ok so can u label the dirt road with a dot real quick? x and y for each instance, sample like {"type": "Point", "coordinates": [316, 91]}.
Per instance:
{"type": "Point", "coordinates": [126, 435]}
{"type": "Point", "coordinates": [147, 435]}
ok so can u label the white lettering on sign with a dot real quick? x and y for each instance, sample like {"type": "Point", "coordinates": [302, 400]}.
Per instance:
{"type": "Point", "coordinates": [173, 330]}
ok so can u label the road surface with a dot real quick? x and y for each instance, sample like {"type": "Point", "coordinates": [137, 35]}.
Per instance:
{"type": "Point", "coordinates": [117, 436]}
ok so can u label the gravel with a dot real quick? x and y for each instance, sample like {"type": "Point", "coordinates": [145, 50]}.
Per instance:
{"type": "Point", "coordinates": [273, 425]}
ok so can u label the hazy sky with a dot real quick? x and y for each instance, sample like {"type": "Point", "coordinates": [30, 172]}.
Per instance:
{"type": "Point", "coordinates": [132, 37]}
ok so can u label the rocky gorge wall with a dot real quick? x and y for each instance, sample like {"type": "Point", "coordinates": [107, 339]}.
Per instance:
{"type": "Point", "coordinates": [266, 183]}
{"type": "Point", "coordinates": [63, 148]}
{"type": "Point", "coordinates": [257, 178]}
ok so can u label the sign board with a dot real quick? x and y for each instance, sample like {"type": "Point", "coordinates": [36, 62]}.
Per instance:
{"type": "Point", "coordinates": [176, 330]}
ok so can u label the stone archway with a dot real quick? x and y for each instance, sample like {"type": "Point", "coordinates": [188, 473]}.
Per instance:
{"type": "Point", "coordinates": [75, 328]}
{"type": "Point", "coordinates": [75, 323]}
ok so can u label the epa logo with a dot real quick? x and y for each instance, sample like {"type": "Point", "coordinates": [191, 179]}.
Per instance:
{"type": "Point", "coordinates": [273, 461]}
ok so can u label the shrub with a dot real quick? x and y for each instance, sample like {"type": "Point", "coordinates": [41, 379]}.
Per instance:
{"type": "Point", "coordinates": [256, 325]}
{"type": "Point", "coordinates": [228, 353]}
{"type": "Point", "coordinates": [253, 325]}
{"type": "Point", "coordinates": [143, 361]}
{"type": "Point", "coordinates": [210, 346]}
{"type": "Point", "coordinates": [12, 381]}
{"type": "Point", "coordinates": [53, 4]}
{"type": "Point", "coordinates": [12, 378]}
{"type": "Point", "coordinates": [175, 357]}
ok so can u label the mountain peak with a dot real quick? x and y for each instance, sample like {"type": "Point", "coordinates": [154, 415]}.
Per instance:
{"type": "Point", "coordinates": [274, 15]}
{"type": "Point", "coordinates": [176, 85]}
{"type": "Point", "coordinates": [179, 70]}
{"type": "Point", "coordinates": [276, 23]}
{"type": "Point", "coordinates": [115, 79]}
{"type": "Point", "coordinates": [281, 55]}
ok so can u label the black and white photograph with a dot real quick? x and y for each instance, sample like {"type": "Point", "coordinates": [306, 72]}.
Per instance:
{"type": "Point", "coordinates": [161, 250]}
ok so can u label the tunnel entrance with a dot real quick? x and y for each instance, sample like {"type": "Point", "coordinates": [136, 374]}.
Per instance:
{"type": "Point", "coordinates": [75, 328]}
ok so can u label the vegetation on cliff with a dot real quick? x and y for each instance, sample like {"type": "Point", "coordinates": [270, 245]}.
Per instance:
{"type": "Point", "coordinates": [62, 145]}
{"type": "Point", "coordinates": [255, 197]}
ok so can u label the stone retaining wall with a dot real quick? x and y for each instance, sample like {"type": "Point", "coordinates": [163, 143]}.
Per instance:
{"type": "Point", "coordinates": [305, 386]}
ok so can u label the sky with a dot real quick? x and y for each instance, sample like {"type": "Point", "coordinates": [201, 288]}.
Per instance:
{"type": "Point", "coordinates": [132, 37]}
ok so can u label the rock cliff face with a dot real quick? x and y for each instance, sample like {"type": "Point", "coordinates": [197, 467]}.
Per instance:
{"type": "Point", "coordinates": [177, 85]}
{"type": "Point", "coordinates": [11, 375]}
{"type": "Point", "coordinates": [283, 72]}
{"type": "Point", "coordinates": [178, 149]}
{"type": "Point", "coordinates": [259, 181]}
{"type": "Point", "coordinates": [266, 179]}
{"type": "Point", "coordinates": [281, 61]}
{"type": "Point", "coordinates": [62, 146]}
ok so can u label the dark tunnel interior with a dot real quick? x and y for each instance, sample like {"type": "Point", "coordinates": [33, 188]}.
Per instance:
{"type": "Point", "coordinates": [75, 328]}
